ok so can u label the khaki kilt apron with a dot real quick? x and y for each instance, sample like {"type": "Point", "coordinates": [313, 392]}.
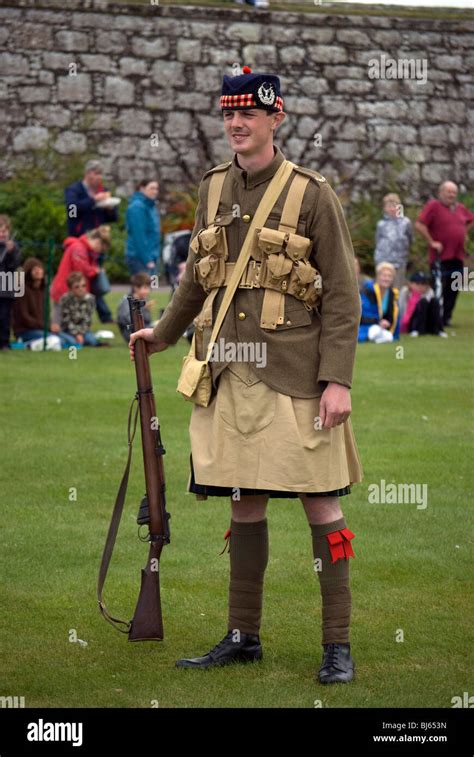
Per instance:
{"type": "Point", "coordinates": [251, 436]}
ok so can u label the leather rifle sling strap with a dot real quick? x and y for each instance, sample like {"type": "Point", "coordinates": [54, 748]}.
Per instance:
{"type": "Point", "coordinates": [114, 525]}
{"type": "Point", "coordinates": [273, 307]}
{"type": "Point", "coordinates": [266, 204]}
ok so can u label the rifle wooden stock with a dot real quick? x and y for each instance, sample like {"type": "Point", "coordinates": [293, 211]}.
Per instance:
{"type": "Point", "coordinates": [147, 622]}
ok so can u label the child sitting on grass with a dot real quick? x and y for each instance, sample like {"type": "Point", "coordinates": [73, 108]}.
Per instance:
{"type": "Point", "coordinates": [77, 308]}
{"type": "Point", "coordinates": [140, 290]}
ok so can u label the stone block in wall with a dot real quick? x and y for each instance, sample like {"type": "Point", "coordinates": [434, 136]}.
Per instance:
{"type": "Point", "coordinates": [34, 94]}
{"type": "Point", "coordinates": [354, 87]}
{"type": "Point", "coordinates": [353, 37]}
{"type": "Point", "coordinates": [30, 138]}
{"type": "Point", "coordinates": [449, 62]}
{"type": "Point", "coordinates": [317, 35]}
{"type": "Point", "coordinates": [436, 172]}
{"type": "Point", "coordinates": [344, 72]}
{"type": "Point", "coordinates": [313, 85]}
{"type": "Point", "coordinates": [224, 58]}
{"type": "Point", "coordinates": [301, 105]}
{"type": "Point", "coordinates": [307, 127]}
{"type": "Point", "coordinates": [344, 150]}
{"type": "Point", "coordinates": [52, 115]}
{"type": "Point", "coordinates": [119, 91]}
{"type": "Point", "coordinates": [95, 63]}
{"type": "Point", "coordinates": [396, 132]}
{"type": "Point", "coordinates": [158, 102]}
{"type": "Point", "coordinates": [58, 61]}
{"type": "Point", "coordinates": [328, 54]}
{"type": "Point", "coordinates": [337, 106]}
{"type": "Point", "coordinates": [448, 111]}
{"type": "Point", "coordinates": [31, 37]}
{"type": "Point", "coordinates": [207, 79]}
{"type": "Point", "coordinates": [133, 121]}
{"type": "Point", "coordinates": [12, 64]}
{"type": "Point", "coordinates": [244, 32]}
{"type": "Point", "coordinates": [74, 88]}
{"type": "Point", "coordinates": [434, 135]}
{"type": "Point", "coordinates": [71, 41]}
{"type": "Point", "coordinates": [211, 126]}
{"type": "Point", "coordinates": [110, 42]}
{"type": "Point", "coordinates": [259, 56]}
{"type": "Point", "coordinates": [384, 39]}
{"type": "Point", "coordinates": [46, 77]}
{"type": "Point", "coordinates": [292, 54]}
{"type": "Point", "coordinates": [164, 73]}
{"type": "Point", "coordinates": [415, 153]}
{"type": "Point", "coordinates": [133, 67]}
{"type": "Point", "coordinates": [178, 125]}
{"type": "Point", "coordinates": [157, 48]}
{"type": "Point", "coordinates": [189, 51]}
{"type": "Point", "coordinates": [195, 101]}
{"type": "Point", "coordinates": [69, 142]}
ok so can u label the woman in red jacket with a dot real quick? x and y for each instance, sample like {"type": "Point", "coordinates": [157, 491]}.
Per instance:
{"type": "Point", "coordinates": [80, 254]}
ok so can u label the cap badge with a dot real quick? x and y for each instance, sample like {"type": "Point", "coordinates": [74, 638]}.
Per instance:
{"type": "Point", "coordinates": [266, 93]}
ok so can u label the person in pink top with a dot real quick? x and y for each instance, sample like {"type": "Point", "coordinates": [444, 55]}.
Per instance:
{"type": "Point", "coordinates": [444, 224]}
{"type": "Point", "coordinates": [80, 254]}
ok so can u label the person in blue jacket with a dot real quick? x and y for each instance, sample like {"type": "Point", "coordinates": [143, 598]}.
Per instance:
{"type": "Point", "coordinates": [143, 229]}
{"type": "Point", "coordinates": [380, 318]}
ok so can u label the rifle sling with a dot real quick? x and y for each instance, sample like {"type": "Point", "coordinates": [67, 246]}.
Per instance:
{"type": "Point", "coordinates": [115, 522]}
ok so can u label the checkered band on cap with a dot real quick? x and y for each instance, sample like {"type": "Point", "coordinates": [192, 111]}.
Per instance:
{"type": "Point", "coordinates": [245, 101]}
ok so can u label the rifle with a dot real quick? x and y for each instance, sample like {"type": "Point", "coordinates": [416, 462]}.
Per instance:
{"type": "Point", "coordinates": [147, 622]}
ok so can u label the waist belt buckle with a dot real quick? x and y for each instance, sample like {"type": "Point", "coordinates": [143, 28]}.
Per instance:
{"type": "Point", "coordinates": [249, 278]}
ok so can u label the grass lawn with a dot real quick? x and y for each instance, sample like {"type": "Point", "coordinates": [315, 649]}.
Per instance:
{"type": "Point", "coordinates": [64, 425]}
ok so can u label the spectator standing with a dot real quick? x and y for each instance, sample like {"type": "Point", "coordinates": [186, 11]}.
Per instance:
{"type": "Point", "coordinates": [444, 223]}
{"type": "Point", "coordinates": [81, 200]}
{"type": "Point", "coordinates": [143, 229]}
{"type": "Point", "coordinates": [393, 238]}
{"type": "Point", "coordinates": [10, 259]}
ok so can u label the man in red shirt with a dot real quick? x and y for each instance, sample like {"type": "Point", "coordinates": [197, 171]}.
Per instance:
{"type": "Point", "coordinates": [444, 224]}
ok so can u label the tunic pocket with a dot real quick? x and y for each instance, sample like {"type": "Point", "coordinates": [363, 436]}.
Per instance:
{"type": "Point", "coordinates": [248, 409]}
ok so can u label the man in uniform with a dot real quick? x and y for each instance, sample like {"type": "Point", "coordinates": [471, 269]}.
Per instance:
{"type": "Point", "coordinates": [278, 423]}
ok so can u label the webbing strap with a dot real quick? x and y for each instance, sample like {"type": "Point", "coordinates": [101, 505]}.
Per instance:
{"type": "Point", "coordinates": [214, 194]}
{"type": "Point", "coordinates": [273, 306]}
{"type": "Point", "coordinates": [266, 204]}
{"type": "Point", "coordinates": [292, 207]}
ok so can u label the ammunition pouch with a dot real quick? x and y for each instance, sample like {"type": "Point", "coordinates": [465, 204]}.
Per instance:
{"type": "Point", "coordinates": [210, 247]}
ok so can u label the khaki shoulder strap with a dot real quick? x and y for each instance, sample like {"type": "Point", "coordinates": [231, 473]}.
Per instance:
{"type": "Point", "coordinates": [266, 204]}
{"type": "Point", "coordinates": [292, 207]}
{"type": "Point", "coordinates": [214, 194]}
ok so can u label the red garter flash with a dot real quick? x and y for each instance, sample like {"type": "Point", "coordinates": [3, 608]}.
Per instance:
{"type": "Point", "coordinates": [340, 544]}
{"type": "Point", "coordinates": [227, 540]}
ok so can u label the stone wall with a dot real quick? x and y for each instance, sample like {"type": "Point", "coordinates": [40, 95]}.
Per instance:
{"type": "Point", "coordinates": [139, 85]}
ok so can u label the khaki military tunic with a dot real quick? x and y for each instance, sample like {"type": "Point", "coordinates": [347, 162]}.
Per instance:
{"type": "Point", "coordinates": [260, 430]}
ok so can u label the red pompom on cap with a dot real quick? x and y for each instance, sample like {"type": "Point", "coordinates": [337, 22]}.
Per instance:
{"type": "Point", "coordinates": [246, 70]}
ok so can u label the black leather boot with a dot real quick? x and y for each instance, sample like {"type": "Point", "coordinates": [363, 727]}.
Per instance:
{"type": "Point", "coordinates": [248, 649]}
{"type": "Point", "coordinates": [337, 665]}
